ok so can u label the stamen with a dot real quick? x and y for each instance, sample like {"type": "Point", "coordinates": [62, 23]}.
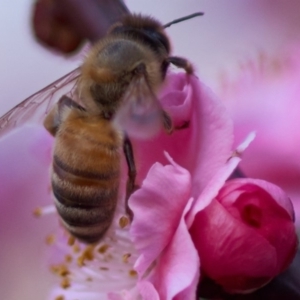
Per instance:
{"type": "Point", "coordinates": [86, 255]}
{"type": "Point", "coordinates": [132, 273]}
{"type": "Point", "coordinates": [76, 248]}
{"type": "Point", "coordinates": [123, 222]}
{"type": "Point", "coordinates": [60, 270]}
{"type": "Point", "coordinates": [68, 258]}
{"type": "Point", "coordinates": [50, 239]}
{"type": "Point", "coordinates": [126, 257]}
{"type": "Point", "coordinates": [65, 283]}
{"type": "Point", "coordinates": [42, 211]}
{"type": "Point", "coordinates": [71, 240]}
{"type": "Point", "coordinates": [93, 271]}
{"type": "Point", "coordinates": [103, 248]}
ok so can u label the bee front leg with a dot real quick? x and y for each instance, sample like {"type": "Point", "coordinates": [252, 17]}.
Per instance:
{"type": "Point", "coordinates": [130, 186]}
{"type": "Point", "coordinates": [168, 124]}
{"type": "Point", "coordinates": [181, 62]}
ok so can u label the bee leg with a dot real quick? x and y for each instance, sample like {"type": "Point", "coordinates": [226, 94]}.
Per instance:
{"type": "Point", "coordinates": [130, 186]}
{"type": "Point", "coordinates": [56, 115]}
{"type": "Point", "coordinates": [181, 63]}
{"type": "Point", "coordinates": [184, 125]}
{"type": "Point", "coordinates": [167, 123]}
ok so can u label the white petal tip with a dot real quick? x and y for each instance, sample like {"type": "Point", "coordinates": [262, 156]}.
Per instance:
{"type": "Point", "coordinates": [244, 145]}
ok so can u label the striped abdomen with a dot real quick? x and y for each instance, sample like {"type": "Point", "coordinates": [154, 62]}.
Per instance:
{"type": "Point", "coordinates": [85, 177]}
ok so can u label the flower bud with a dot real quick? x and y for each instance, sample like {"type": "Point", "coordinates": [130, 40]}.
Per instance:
{"type": "Point", "coordinates": [246, 236]}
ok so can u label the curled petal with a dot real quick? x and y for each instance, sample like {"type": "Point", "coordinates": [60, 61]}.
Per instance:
{"type": "Point", "coordinates": [157, 207]}
{"type": "Point", "coordinates": [148, 291]}
{"type": "Point", "coordinates": [203, 139]}
{"type": "Point", "coordinates": [214, 185]}
{"type": "Point", "coordinates": [177, 272]}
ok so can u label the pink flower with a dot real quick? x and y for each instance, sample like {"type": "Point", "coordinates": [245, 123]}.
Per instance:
{"type": "Point", "coordinates": [246, 236]}
{"type": "Point", "coordinates": [201, 149]}
{"type": "Point", "coordinates": [265, 97]}
{"type": "Point", "coordinates": [243, 231]}
{"type": "Point", "coordinates": [156, 257]}
{"type": "Point", "coordinates": [159, 230]}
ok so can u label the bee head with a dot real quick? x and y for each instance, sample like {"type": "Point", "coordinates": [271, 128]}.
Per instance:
{"type": "Point", "coordinates": [146, 30]}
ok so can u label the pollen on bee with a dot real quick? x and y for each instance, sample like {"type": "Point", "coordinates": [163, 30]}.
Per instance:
{"type": "Point", "coordinates": [126, 257]}
{"type": "Point", "coordinates": [123, 221]}
{"type": "Point", "coordinates": [65, 283]}
{"type": "Point", "coordinates": [50, 239]}
{"type": "Point", "coordinates": [42, 211]}
{"type": "Point", "coordinates": [60, 297]}
{"type": "Point", "coordinates": [132, 273]}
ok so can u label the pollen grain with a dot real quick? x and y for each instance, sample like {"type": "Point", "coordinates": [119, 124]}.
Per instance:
{"type": "Point", "coordinates": [102, 249]}
{"type": "Point", "coordinates": [132, 273]}
{"type": "Point", "coordinates": [123, 221]}
{"type": "Point", "coordinates": [126, 257]}
{"type": "Point", "coordinates": [50, 239]}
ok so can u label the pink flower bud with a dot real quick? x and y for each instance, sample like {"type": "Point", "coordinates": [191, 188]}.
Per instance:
{"type": "Point", "coordinates": [246, 236]}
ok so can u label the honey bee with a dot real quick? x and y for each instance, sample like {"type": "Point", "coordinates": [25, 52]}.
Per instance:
{"type": "Point", "coordinates": [117, 88]}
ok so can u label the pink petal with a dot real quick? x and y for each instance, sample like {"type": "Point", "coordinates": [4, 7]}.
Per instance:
{"type": "Point", "coordinates": [158, 206]}
{"type": "Point", "coordinates": [148, 291]}
{"type": "Point", "coordinates": [177, 273]}
{"type": "Point", "coordinates": [214, 185]}
{"type": "Point", "coordinates": [24, 175]}
{"type": "Point", "coordinates": [277, 193]}
{"type": "Point", "coordinates": [202, 147]}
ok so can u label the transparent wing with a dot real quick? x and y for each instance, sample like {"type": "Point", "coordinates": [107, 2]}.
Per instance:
{"type": "Point", "coordinates": [140, 113]}
{"type": "Point", "coordinates": [35, 108]}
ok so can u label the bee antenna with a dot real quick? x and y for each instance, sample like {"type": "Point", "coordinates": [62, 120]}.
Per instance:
{"type": "Point", "coordinates": [197, 14]}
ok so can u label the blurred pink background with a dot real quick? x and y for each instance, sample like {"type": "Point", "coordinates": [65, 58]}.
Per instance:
{"type": "Point", "coordinates": [226, 34]}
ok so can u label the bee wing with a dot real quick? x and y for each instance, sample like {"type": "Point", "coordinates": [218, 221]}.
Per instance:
{"type": "Point", "coordinates": [140, 114]}
{"type": "Point", "coordinates": [36, 107]}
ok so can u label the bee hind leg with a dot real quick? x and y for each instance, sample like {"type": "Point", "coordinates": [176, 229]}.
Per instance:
{"type": "Point", "coordinates": [130, 186]}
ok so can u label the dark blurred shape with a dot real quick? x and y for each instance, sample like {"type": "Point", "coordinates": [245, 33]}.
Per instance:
{"type": "Point", "coordinates": [237, 173]}
{"type": "Point", "coordinates": [64, 24]}
{"type": "Point", "coordinates": [284, 286]}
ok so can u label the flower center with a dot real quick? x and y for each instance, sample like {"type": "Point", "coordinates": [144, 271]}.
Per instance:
{"type": "Point", "coordinates": [94, 271]}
